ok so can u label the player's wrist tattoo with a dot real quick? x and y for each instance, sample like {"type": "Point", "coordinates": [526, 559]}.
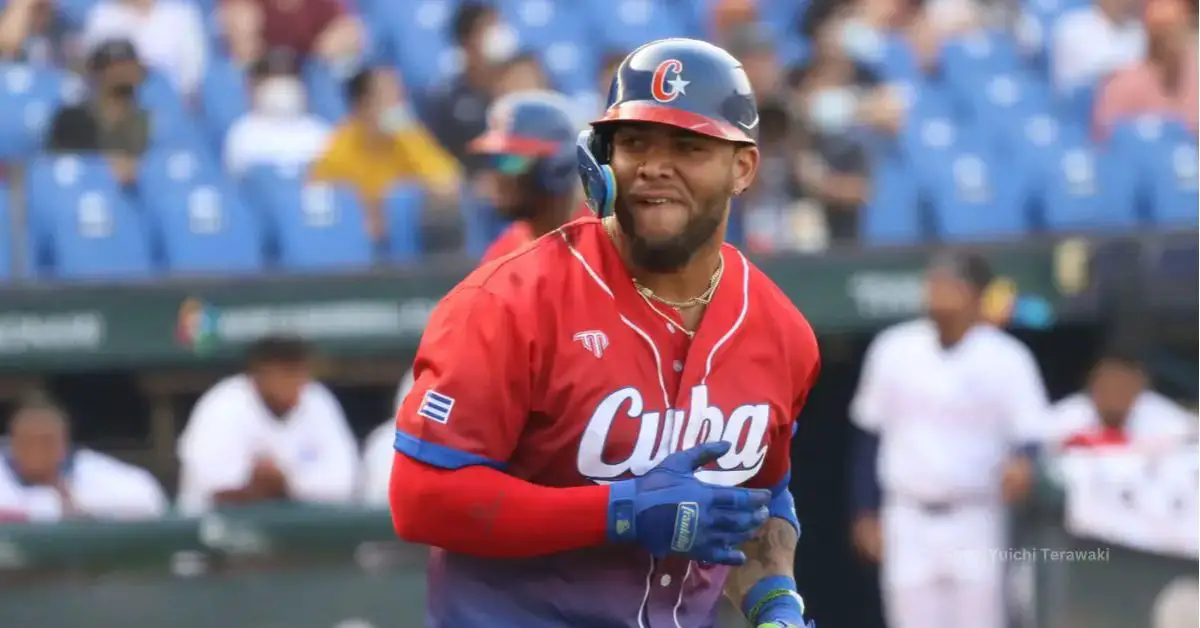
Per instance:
{"type": "Point", "coordinates": [771, 552]}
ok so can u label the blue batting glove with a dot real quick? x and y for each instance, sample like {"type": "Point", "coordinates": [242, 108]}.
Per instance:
{"type": "Point", "coordinates": [777, 624]}
{"type": "Point", "coordinates": [669, 511]}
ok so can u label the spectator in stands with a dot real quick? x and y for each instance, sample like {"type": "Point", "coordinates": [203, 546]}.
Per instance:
{"type": "Point", "coordinates": [168, 34]}
{"type": "Point", "coordinates": [840, 102]}
{"type": "Point", "coordinates": [33, 31]}
{"type": "Point", "coordinates": [44, 479]}
{"type": "Point", "coordinates": [383, 144]}
{"type": "Point", "coordinates": [111, 121]}
{"type": "Point", "coordinates": [1091, 42]}
{"type": "Point", "coordinates": [1116, 408]}
{"type": "Point", "coordinates": [522, 72]}
{"type": "Point", "coordinates": [456, 111]}
{"type": "Point", "coordinates": [270, 433]}
{"type": "Point", "coordinates": [753, 46]}
{"type": "Point", "coordinates": [316, 28]}
{"type": "Point", "coordinates": [278, 130]}
{"type": "Point", "coordinates": [1166, 82]}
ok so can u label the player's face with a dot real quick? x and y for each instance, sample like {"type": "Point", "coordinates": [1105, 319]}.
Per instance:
{"type": "Point", "coordinates": [1113, 388]}
{"type": "Point", "coordinates": [947, 296]}
{"type": "Point", "coordinates": [505, 184]}
{"type": "Point", "coordinates": [39, 446]}
{"type": "Point", "coordinates": [673, 190]}
{"type": "Point", "coordinates": [280, 384]}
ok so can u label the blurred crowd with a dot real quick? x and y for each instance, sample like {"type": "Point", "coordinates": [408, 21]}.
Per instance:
{"type": "Point", "coordinates": [243, 126]}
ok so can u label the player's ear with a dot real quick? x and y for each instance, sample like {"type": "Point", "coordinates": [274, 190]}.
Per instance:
{"type": "Point", "coordinates": [745, 166]}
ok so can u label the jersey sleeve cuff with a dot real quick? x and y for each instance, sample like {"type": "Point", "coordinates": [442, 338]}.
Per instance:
{"type": "Point", "coordinates": [440, 456]}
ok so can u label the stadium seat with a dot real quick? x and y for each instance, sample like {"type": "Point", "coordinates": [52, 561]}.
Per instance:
{"type": "Point", "coordinates": [480, 223]}
{"type": "Point", "coordinates": [1162, 152]}
{"type": "Point", "coordinates": [627, 24]}
{"type": "Point", "coordinates": [420, 33]}
{"type": "Point", "coordinates": [402, 208]}
{"type": "Point", "coordinates": [1086, 191]}
{"type": "Point", "coordinates": [199, 217]}
{"type": "Point", "coordinates": [893, 212]}
{"type": "Point", "coordinates": [322, 228]}
{"type": "Point", "coordinates": [975, 197]}
{"type": "Point", "coordinates": [29, 97]}
{"type": "Point", "coordinates": [97, 234]}
{"type": "Point", "coordinates": [969, 61]}
{"type": "Point", "coordinates": [223, 98]}
{"type": "Point", "coordinates": [557, 33]}
{"type": "Point", "coordinates": [1002, 104]}
{"type": "Point", "coordinates": [51, 180]}
{"type": "Point", "coordinates": [6, 236]}
{"type": "Point", "coordinates": [325, 95]}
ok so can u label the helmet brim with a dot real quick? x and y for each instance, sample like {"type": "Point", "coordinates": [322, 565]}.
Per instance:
{"type": "Point", "coordinates": [642, 111]}
{"type": "Point", "coordinates": [496, 143]}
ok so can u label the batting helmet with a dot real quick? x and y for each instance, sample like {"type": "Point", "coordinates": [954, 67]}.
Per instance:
{"type": "Point", "coordinates": [532, 131]}
{"type": "Point", "coordinates": [684, 83]}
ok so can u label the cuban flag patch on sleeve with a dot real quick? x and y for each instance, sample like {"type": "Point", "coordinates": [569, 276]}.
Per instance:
{"type": "Point", "coordinates": [436, 407]}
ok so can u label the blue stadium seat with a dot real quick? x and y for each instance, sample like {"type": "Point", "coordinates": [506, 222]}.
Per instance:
{"type": "Point", "coordinates": [97, 234]}
{"type": "Point", "coordinates": [1002, 105]}
{"type": "Point", "coordinates": [223, 98]}
{"type": "Point", "coordinates": [1172, 186]}
{"type": "Point", "coordinates": [402, 208]}
{"type": "Point", "coordinates": [29, 97]}
{"type": "Point", "coordinates": [480, 223]}
{"type": "Point", "coordinates": [421, 39]}
{"type": "Point", "coordinates": [6, 236]}
{"type": "Point", "coordinates": [967, 62]}
{"type": "Point", "coordinates": [201, 220]}
{"type": "Point", "coordinates": [557, 33]}
{"type": "Point", "coordinates": [1086, 191]}
{"type": "Point", "coordinates": [323, 228]}
{"type": "Point", "coordinates": [156, 93]}
{"type": "Point", "coordinates": [627, 24]}
{"type": "Point", "coordinates": [326, 98]}
{"type": "Point", "coordinates": [974, 196]}
{"type": "Point", "coordinates": [893, 213]}
{"type": "Point", "coordinates": [1162, 153]}
{"type": "Point", "coordinates": [51, 181]}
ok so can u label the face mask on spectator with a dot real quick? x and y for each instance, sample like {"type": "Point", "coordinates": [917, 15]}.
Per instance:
{"type": "Point", "coordinates": [280, 96]}
{"type": "Point", "coordinates": [861, 41]}
{"type": "Point", "coordinates": [499, 43]}
{"type": "Point", "coordinates": [396, 118]}
{"type": "Point", "coordinates": [832, 110]}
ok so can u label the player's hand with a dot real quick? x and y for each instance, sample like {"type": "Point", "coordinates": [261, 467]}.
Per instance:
{"type": "Point", "coordinates": [868, 537]}
{"type": "Point", "coordinates": [1017, 479]}
{"type": "Point", "coordinates": [668, 510]}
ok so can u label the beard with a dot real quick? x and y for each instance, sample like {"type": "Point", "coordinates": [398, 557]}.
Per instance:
{"type": "Point", "coordinates": [670, 254]}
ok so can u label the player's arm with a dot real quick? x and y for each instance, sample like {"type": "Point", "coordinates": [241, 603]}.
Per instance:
{"type": "Point", "coordinates": [1028, 405]}
{"type": "Point", "coordinates": [457, 430]}
{"type": "Point", "coordinates": [765, 587]}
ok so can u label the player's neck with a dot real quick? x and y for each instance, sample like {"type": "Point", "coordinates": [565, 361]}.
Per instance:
{"type": "Point", "coordinates": [683, 284]}
{"type": "Point", "coordinates": [552, 217]}
{"type": "Point", "coordinates": [950, 333]}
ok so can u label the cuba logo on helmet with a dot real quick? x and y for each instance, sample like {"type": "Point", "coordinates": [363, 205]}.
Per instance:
{"type": "Point", "coordinates": [664, 90]}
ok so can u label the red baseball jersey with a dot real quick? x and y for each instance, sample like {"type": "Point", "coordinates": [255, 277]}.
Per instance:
{"type": "Point", "coordinates": [548, 364]}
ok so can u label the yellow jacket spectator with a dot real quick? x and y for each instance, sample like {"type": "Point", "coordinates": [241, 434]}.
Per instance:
{"type": "Point", "coordinates": [382, 144]}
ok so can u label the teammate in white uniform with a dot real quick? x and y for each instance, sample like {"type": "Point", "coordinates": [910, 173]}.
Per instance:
{"type": "Point", "coordinates": [379, 449]}
{"type": "Point", "coordinates": [43, 479]}
{"type": "Point", "coordinates": [270, 434]}
{"type": "Point", "coordinates": [950, 410]}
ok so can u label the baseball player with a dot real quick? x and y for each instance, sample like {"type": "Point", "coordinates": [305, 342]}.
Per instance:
{"type": "Point", "coordinates": [529, 151]}
{"type": "Point", "coordinates": [599, 432]}
{"type": "Point", "coordinates": [950, 407]}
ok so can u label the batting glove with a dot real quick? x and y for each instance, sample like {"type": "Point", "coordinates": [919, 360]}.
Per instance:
{"type": "Point", "coordinates": [668, 510]}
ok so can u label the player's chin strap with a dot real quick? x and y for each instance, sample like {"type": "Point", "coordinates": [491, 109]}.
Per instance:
{"type": "Point", "coordinates": [598, 182]}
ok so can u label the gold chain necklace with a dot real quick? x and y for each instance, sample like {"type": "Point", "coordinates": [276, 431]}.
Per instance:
{"type": "Point", "coordinates": [703, 299]}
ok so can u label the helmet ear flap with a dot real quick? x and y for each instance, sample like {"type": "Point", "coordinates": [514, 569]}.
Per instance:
{"type": "Point", "coordinates": [599, 184]}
